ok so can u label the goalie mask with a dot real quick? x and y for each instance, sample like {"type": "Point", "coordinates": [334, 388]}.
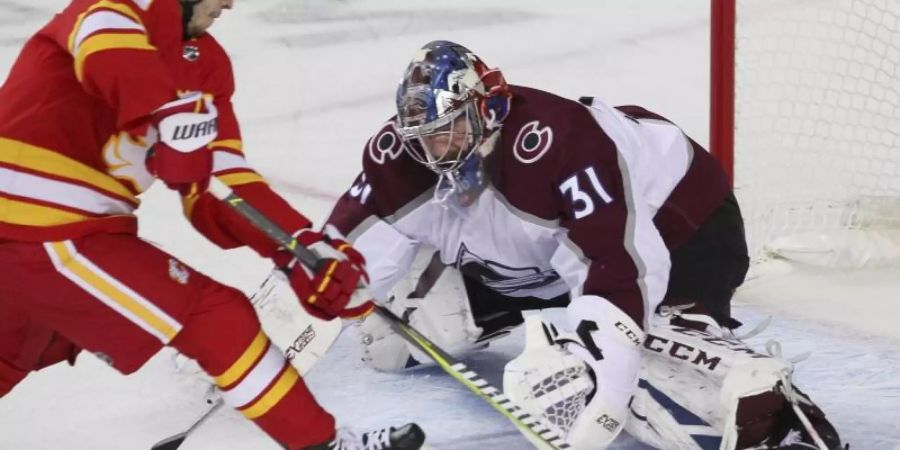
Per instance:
{"type": "Point", "coordinates": [450, 104]}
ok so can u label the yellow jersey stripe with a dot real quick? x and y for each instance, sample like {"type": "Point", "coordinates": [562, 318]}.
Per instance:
{"type": "Point", "coordinates": [245, 362]}
{"type": "Point", "coordinates": [108, 41]}
{"type": "Point", "coordinates": [233, 144]}
{"type": "Point", "coordinates": [41, 160]}
{"type": "Point", "coordinates": [23, 213]}
{"type": "Point", "coordinates": [285, 382]}
{"type": "Point", "coordinates": [237, 179]}
{"type": "Point", "coordinates": [187, 205]}
{"type": "Point", "coordinates": [108, 290]}
{"type": "Point", "coordinates": [327, 278]}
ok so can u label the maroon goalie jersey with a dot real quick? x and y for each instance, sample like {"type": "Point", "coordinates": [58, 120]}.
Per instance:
{"type": "Point", "coordinates": [582, 199]}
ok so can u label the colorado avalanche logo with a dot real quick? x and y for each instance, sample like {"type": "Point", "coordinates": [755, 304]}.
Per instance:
{"type": "Point", "coordinates": [502, 278]}
{"type": "Point", "coordinates": [532, 142]}
{"type": "Point", "coordinates": [385, 146]}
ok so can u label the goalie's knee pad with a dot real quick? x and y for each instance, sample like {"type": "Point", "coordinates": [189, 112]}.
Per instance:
{"type": "Point", "coordinates": [383, 349]}
{"type": "Point", "coordinates": [444, 317]}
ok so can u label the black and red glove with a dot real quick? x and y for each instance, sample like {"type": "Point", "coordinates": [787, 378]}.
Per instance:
{"type": "Point", "coordinates": [334, 289]}
{"type": "Point", "coordinates": [180, 156]}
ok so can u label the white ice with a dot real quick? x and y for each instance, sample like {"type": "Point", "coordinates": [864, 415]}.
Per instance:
{"type": "Point", "coordinates": [314, 79]}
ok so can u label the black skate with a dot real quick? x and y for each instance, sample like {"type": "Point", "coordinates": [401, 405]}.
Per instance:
{"type": "Point", "coordinates": [407, 437]}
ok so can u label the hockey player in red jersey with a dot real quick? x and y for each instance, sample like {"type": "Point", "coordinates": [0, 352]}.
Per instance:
{"type": "Point", "coordinates": [108, 97]}
{"type": "Point", "coordinates": [611, 221]}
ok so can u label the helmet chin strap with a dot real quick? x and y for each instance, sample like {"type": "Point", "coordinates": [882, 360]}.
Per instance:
{"type": "Point", "coordinates": [187, 12]}
{"type": "Point", "coordinates": [465, 184]}
{"type": "Point", "coordinates": [488, 144]}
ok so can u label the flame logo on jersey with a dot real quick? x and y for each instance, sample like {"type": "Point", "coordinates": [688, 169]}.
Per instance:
{"type": "Point", "coordinates": [178, 272]}
{"type": "Point", "coordinates": [501, 278]}
{"type": "Point", "coordinates": [532, 142]}
{"type": "Point", "coordinates": [124, 156]}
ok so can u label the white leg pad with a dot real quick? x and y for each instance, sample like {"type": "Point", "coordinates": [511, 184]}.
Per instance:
{"type": "Point", "coordinates": [443, 316]}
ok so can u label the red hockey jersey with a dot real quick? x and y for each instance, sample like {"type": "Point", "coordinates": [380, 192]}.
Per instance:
{"type": "Point", "coordinates": [96, 68]}
{"type": "Point", "coordinates": [72, 125]}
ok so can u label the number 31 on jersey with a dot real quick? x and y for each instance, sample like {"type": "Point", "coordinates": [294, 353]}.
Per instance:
{"type": "Point", "coordinates": [583, 201]}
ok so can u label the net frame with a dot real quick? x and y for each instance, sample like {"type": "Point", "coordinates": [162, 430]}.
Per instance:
{"type": "Point", "coordinates": [805, 113]}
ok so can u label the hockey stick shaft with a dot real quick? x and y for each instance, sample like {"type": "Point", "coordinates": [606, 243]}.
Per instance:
{"type": "Point", "coordinates": [221, 191]}
{"type": "Point", "coordinates": [541, 436]}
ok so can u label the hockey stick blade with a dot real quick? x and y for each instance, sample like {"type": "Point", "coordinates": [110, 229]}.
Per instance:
{"type": "Point", "coordinates": [304, 339]}
{"type": "Point", "coordinates": [175, 441]}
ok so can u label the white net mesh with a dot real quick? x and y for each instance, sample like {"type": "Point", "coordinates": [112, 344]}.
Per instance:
{"type": "Point", "coordinates": [562, 405]}
{"type": "Point", "coordinates": [817, 132]}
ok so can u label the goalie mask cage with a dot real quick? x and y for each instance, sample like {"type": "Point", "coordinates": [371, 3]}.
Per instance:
{"type": "Point", "coordinates": [805, 113]}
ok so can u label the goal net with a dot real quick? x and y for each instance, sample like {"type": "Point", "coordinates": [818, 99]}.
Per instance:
{"type": "Point", "coordinates": [816, 123]}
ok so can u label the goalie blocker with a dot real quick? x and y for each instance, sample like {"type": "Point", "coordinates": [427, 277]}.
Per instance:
{"type": "Point", "coordinates": [699, 387]}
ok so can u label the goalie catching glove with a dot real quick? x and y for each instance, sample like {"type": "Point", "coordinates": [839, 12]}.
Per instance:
{"type": "Point", "coordinates": [180, 132]}
{"type": "Point", "coordinates": [333, 288]}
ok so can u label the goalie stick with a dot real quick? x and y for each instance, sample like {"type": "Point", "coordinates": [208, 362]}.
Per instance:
{"type": "Point", "coordinates": [533, 428]}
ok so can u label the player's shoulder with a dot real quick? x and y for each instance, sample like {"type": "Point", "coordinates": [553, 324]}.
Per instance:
{"type": "Point", "coordinates": [543, 128]}
{"type": "Point", "coordinates": [384, 148]}
{"type": "Point", "coordinates": [202, 64]}
{"type": "Point", "coordinates": [545, 139]}
{"type": "Point", "coordinates": [206, 50]}
{"type": "Point", "coordinates": [396, 178]}
{"type": "Point", "coordinates": [160, 19]}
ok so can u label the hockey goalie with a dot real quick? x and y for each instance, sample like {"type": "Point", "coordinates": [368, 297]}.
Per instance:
{"type": "Point", "coordinates": [613, 223]}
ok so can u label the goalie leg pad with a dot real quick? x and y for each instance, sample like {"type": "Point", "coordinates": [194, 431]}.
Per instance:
{"type": "Point", "coordinates": [769, 421]}
{"type": "Point", "coordinates": [698, 388]}
{"type": "Point", "coordinates": [444, 317]}
{"type": "Point", "coordinates": [609, 343]}
{"type": "Point", "coordinates": [383, 349]}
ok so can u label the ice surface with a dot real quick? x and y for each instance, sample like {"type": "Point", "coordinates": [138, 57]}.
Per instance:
{"type": "Point", "coordinates": [315, 78]}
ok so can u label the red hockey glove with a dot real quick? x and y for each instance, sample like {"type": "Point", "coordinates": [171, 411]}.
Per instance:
{"type": "Point", "coordinates": [333, 290]}
{"type": "Point", "coordinates": [180, 156]}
